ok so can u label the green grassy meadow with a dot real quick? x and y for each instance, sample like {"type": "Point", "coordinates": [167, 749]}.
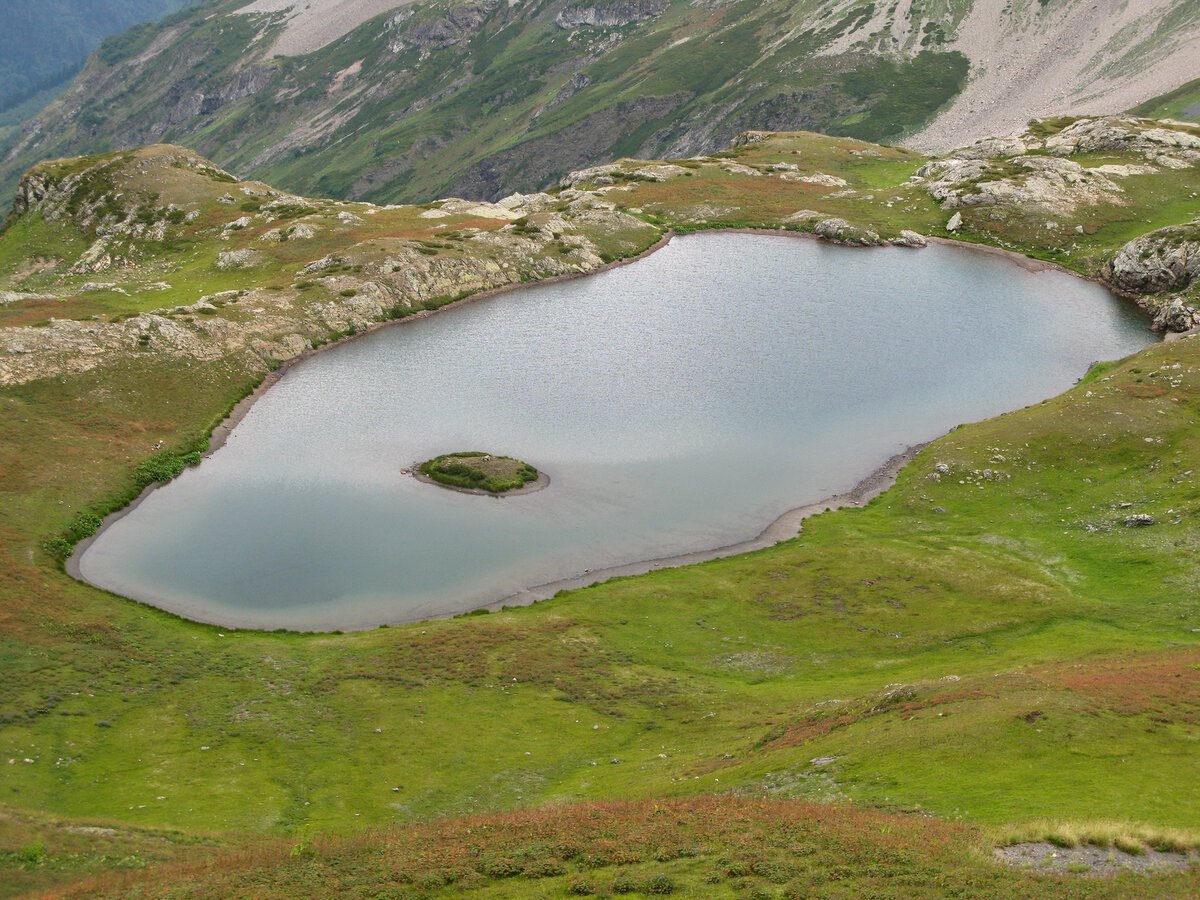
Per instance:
{"type": "Point", "coordinates": [862, 710]}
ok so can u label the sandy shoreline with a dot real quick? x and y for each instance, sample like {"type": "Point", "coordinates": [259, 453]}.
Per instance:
{"type": "Point", "coordinates": [783, 528]}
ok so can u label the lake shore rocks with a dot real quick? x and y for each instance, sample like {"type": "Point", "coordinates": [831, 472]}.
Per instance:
{"type": "Point", "coordinates": [1175, 316]}
{"type": "Point", "coordinates": [1164, 260]}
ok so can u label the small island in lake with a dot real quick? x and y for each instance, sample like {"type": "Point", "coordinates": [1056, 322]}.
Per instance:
{"type": "Point", "coordinates": [481, 473]}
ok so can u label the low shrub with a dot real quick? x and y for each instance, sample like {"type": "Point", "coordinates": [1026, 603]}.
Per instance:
{"type": "Point", "coordinates": [659, 885]}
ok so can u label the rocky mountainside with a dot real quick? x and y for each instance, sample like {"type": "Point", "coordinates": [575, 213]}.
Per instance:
{"type": "Point", "coordinates": [1032, 60]}
{"type": "Point", "coordinates": [390, 100]}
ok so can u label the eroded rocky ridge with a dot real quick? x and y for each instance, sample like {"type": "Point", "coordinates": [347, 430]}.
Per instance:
{"type": "Point", "coordinates": [1164, 260]}
{"type": "Point", "coordinates": [1057, 172]}
{"type": "Point", "coordinates": [360, 284]}
{"type": "Point", "coordinates": [609, 15]}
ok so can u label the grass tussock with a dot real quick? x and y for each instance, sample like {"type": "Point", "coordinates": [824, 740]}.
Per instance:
{"type": "Point", "coordinates": [1131, 837]}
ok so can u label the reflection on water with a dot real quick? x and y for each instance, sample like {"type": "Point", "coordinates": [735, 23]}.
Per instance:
{"type": "Point", "coordinates": [679, 403]}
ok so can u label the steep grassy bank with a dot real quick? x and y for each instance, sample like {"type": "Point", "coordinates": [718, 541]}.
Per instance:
{"type": "Point", "coordinates": [988, 641]}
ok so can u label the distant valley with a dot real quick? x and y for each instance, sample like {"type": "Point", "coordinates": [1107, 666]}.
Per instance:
{"type": "Point", "coordinates": [43, 43]}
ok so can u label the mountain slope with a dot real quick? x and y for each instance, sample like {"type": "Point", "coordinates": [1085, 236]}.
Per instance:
{"type": "Point", "coordinates": [44, 42]}
{"type": "Point", "coordinates": [1031, 60]}
{"type": "Point", "coordinates": [479, 97]}
{"type": "Point", "coordinates": [1182, 104]}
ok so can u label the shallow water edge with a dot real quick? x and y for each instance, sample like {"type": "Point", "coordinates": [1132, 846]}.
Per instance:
{"type": "Point", "coordinates": [784, 528]}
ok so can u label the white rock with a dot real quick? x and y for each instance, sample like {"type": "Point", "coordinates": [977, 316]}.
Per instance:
{"type": "Point", "coordinates": [818, 178]}
{"type": "Point", "coordinates": [238, 259]}
{"type": "Point", "coordinates": [17, 297]}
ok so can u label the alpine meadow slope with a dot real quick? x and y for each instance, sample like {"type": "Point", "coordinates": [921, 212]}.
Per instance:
{"type": "Point", "coordinates": [1004, 647]}
{"type": "Point", "coordinates": [401, 101]}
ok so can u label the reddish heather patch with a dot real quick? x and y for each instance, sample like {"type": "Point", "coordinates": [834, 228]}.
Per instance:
{"type": "Point", "coordinates": [732, 842]}
{"type": "Point", "coordinates": [1142, 391]}
{"type": "Point", "coordinates": [31, 312]}
{"type": "Point", "coordinates": [1165, 685]}
{"type": "Point", "coordinates": [756, 837]}
{"type": "Point", "coordinates": [764, 197]}
{"type": "Point", "coordinates": [903, 702]}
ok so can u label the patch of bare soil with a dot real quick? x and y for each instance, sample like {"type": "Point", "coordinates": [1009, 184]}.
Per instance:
{"type": "Point", "coordinates": [1088, 859]}
{"type": "Point", "coordinates": [312, 24]}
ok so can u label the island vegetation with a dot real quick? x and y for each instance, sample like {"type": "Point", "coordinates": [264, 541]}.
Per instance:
{"type": "Point", "coordinates": [475, 470]}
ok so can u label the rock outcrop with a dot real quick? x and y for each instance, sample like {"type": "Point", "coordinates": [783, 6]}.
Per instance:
{"type": "Point", "coordinates": [842, 232]}
{"type": "Point", "coordinates": [1057, 186]}
{"type": "Point", "coordinates": [1174, 316]}
{"type": "Point", "coordinates": [1108, 134]}
{"type": "Point", "coordinates": [1158, 262]}
{"type": "Point", "coordinates": [230, 260]}
{"type": "Point", "coordinates": [457, 26]}
{"type": "Point", "coordinates": [609, 15]}
{"type": "Point", "coordinates": [1032, 172]}
{"type": "Point", "coordinates": [909, 238]}
{"type": "Point", "coordinates": [355, 286]}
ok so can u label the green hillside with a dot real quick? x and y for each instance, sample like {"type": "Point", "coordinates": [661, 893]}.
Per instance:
{"type": "Point", "coordinates": [1183, 103]}
{"type": "Point", "coordinates": [403, 101]}
{"type": "Point", "coordinates": [966, 662]}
